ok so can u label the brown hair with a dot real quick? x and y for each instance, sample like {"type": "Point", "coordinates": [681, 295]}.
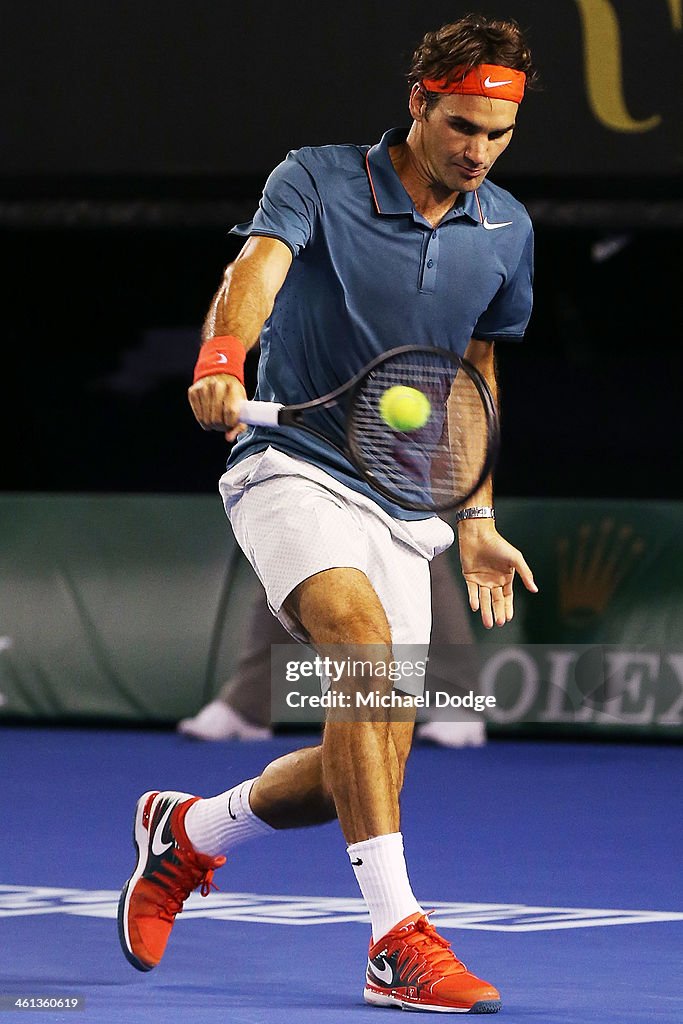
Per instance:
{"type": "Point", "coordinates": [464, 44]}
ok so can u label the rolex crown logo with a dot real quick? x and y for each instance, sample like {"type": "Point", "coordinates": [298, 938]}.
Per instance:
{"type": "Point", "coordinates": [591, 569]}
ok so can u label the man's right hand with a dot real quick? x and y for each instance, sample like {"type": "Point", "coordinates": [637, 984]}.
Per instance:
{"type": "Point", "coordinates": [216, 402]}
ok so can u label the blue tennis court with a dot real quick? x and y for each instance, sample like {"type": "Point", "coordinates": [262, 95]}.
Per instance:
{"type": "Point", "coordinates": [555, 869]}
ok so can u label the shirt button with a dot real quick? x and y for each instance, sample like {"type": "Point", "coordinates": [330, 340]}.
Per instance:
{"type": "Point", "coordinates": [430, 264]}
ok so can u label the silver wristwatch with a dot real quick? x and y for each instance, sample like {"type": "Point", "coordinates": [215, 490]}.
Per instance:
{"type": "Point", "coordinates": [476, 512]}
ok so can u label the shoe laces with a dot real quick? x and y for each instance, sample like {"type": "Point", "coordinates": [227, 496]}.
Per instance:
{"type": "Point", "coordinates": [182, 876]}
{"type": "Point", "coordinates": [436, 950]}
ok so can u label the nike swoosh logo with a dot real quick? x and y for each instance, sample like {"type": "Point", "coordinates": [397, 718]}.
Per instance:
{"type": "Point", "coordinates": [356, 862]}
{"type": "Point", "coordinates": [233, 816]}
{"type": "Point", "coordinates": [494, 85]}
{"type": "Point", "coordinates": [384, 974]}
{"type": "Point", "coordinates": [158, 847]}
{"type": "Point", "coordinates": [492, 227]}
{"type": "Point", "coordinates": [221, 357]}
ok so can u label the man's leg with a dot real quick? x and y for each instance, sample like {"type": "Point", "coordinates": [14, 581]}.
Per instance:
{"type": "Point", "coordinates": [362, 768]}
{"type": "Point", "coordinates": [356, 774]}
{"type": "Point", "coordinates": [313, 785]}
{"type": "Point", "coordinates": [363, 762]}
{"type": "Point", "coordinates": [241, 710]}
{"type": "Point", "coordinates": [453, 662]}
{"type": "Point", "coordinates": [248, 689]}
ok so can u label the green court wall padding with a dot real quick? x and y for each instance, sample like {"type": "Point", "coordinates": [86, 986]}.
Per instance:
{"type": "Point", "coordinates": [112, 606]}
{"type": "Point", "coordinates": [131, 608]}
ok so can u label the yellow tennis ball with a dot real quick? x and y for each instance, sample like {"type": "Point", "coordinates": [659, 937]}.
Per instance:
{"type": "Point", "coordinates": [404, 408]}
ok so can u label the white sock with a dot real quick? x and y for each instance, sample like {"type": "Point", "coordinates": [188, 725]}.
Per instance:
{"type": "Point", "coordinates": [220, 823]}
{"type": "Point", "coordinates": [380, 868]}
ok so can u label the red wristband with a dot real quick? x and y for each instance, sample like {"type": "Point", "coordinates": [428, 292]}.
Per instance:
{"type": "Point", "coordinates": [221, 355]}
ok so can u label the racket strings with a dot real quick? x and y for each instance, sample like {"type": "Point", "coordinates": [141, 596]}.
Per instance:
{"type": "Point", "coordinates": [441, 462]}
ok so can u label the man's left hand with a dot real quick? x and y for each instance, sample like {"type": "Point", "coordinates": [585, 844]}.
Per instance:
{"type": "Point", "coordinates": [489, 564]}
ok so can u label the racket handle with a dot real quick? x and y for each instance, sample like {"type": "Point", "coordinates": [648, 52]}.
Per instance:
{"type": "Point", "coordinates": [260, 414]}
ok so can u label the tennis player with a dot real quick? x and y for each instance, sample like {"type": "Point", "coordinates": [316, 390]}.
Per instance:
{"type": "Point", "coordinates": [353, 250]}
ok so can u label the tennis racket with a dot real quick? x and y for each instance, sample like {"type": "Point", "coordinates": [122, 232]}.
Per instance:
{"type": "Point", "coordinates": [438, 465]}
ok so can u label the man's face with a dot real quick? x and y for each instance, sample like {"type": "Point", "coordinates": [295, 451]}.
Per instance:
{"type": "Point", "coordinates": [462, 137]}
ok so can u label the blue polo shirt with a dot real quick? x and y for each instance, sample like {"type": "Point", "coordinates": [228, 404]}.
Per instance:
{"type": "Point", "coordinates": [370, 273]}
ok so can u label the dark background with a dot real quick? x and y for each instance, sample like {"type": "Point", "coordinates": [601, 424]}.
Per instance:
{"type": "Point", "coordinates": [136, 134]}
{"type": "Point", "coordinates": [167, 87]}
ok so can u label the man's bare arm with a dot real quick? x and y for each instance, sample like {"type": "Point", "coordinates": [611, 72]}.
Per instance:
{"type": "Point", "coordinates": [481, 355]}
{"type": "Point", "coordinates": [488, 561]}
{"type": "Point", "coordinates": [247, 293]}
{"type": "Point", "coordinates": [239, 308]}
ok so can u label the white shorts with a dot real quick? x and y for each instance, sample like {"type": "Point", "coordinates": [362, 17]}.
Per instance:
{"type": "Point", "coordinates": [293, 520]}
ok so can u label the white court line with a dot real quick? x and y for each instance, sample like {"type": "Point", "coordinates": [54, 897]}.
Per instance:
{"type": "Point", "coordinates": [256, 908]}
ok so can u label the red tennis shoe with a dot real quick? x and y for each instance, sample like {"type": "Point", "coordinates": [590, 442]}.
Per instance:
{"type": "Point", "coordinates": [167, 871]}
{"type": "Point", "coordinates": [413, 968]}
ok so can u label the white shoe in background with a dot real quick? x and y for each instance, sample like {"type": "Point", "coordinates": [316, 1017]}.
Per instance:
{"type": "Point", "coordinates": [218, 721]}
{"type": "Point", "coordinates": [453, 734]}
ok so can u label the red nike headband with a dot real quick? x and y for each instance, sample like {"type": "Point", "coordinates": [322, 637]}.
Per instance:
{"type": "Point", "coordinates": [484, 80]}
